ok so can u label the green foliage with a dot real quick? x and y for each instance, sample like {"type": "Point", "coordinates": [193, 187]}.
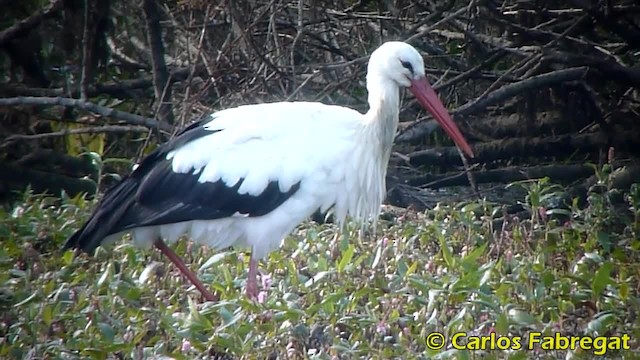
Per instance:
{"type": "Point", "coordinates": [330, 294]}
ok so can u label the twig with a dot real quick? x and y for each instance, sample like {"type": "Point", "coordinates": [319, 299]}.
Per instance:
{"type": "Point", "coordinates": [76, 166]}
{"type": "Point", "coordinates": [510, 90]}
{"type": "Point", "coordinates": [121, 89]}
{"type": "Point", "coordinates": [539, 33]}
{"type": "Point", "coordinates": [519, 65]}
{"type": "Point", "coordinates": [630, 34]}
{"type": "Point", "coordinates": [238, 18]}
{"type": "Point", "coordinates": [474, 75]}
{"type": "Point", "coordinates": [343, 64]}
{"type": "Point", "coordinates": [189, 81]}
{"type": "Point", "coordinates": [87, 130]}
{"type": "Point", "coordinates": [365, 16]}
{"type": "Point", "coordinates": [31, 22]}
{"type": "Point", "coordinates": [17, 177]}
{"type": "Point", "coordinates": [445, 177]}
{"type": "Point", "coordinates": [566, 146]}
{"type": "Point", "coordinates": [161, 84]}
{"type": "Point", "coordinates": [353, 7]}
{"type": "Point", "coordinates": [418, 130]}
{"type": "Point", "coordinates": [470, 177]}
{"type": "Point", "coordinates": [524, 69]}
{"type": "Point", "coordinates": [300, 31]}
{"type": "Point", "coordinates": [84, 79]}
{"type": "Point", "coordinates": [614, 70]}
{"type": "Point", "coordinates": [559, 173]}
{"type": "Point", "coordinates": [469, 73]}
{"type": "Point", "coordinates": [427, 29]}
{"type": "Point", "coordinates": [568, 31]}
{"type": "Point", "coordinates": [122, 58]}
{"type": "Point", "coordinates": [297, 89]}
{"type": "Point", "coordinates": [129, 118]}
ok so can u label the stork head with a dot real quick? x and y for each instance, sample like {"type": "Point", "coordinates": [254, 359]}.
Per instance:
{"type": "Point", "coordinates": [401, 64]}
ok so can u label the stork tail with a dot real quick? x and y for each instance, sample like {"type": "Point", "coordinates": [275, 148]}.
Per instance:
{"type": "Point", "coordinates": [104, 220]}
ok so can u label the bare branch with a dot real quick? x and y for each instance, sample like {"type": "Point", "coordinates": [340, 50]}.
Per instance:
{"type": "Point", "coordinates": [469, 73]}
{"type": "Point", "coordinates": [120, 89]}
{"type": "Point", "coordinates": [86, 53]}
{"type": "Point", "coordinates": [161, 84]}
{"type": "Point", "coordinates": [43, 181]}
{"type": "Point", "coordinates": [31, 22]}
{"type": "Point", "coordinates": [427, 29]}
{"type": "Point", "coordinates": [505, 175]}
{"type": "Point", "coordinates": [523, 147]}
{"type": "Point", "coordinates": [87, 130]}
{"type": "Point", "coordinates": [517, 88]}
{"type": "Point", "coordinates": [129, 118]}
{"type": "Point", "coordinates": [189, 80]}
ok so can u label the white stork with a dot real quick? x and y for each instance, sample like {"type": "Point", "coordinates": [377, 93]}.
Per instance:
{"type": "Point", "coordinates": [247, 176]}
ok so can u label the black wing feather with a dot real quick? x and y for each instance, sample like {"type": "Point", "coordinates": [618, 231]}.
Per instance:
{"type": "Point", "coordinates": [154, 195]}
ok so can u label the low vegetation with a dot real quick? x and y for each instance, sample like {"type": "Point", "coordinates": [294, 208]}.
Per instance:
{"type": "Point", "coordinates": [330, 294]}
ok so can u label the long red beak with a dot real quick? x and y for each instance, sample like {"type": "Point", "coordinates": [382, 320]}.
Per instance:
{"type": "Point", "coordinates": [430, 101]}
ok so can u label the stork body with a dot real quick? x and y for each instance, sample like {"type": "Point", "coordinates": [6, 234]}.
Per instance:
{"type": "Point", "coordinates": [247, 176]}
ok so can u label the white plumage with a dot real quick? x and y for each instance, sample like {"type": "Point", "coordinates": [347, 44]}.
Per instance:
{"type": "Point", "coordinates": [249, 175]}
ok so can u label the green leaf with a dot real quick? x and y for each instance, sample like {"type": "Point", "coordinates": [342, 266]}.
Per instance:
{"type": "Point", "coordinates": [316, 279]}
{"type": "Point", "coordinates": [601, 323]}
{"type": "Point", "coordinates": [67, 258]}
{"type": "Point", "coordinates": [216, 258]}
{"type": "Point", "coordinates": [346, 258]}
{"type": "Point", "coordinates": [47, 314]}
{"type": "Point", "coordinates": [470, 261]}
{"type": "Point", "coordinates": [27, 300]}
{"type": "Point", "coordinates": [624, 291]}
{"type": "Point", "coordinates": [411, 269]}
{"type": "Point", "coordinates": [148, 271]}
{"type": "Point", "coordinates": [377, 257]}
{"type": "Point", "coordinates": [402, 267]}
{"type": "Point", "coordinates": [107, 332]}
{"type": "Point", "coordinates": [231, 320]}
{"type": "Point", "coordinates": [601, 279]}
{"type": "Point", "coordinates": [94, 353]}
{"type": "Point", "coordinates": [457, 319]}
{"type": "Point", "coordinates": [558, 211]}
{"type": "Point", "coordinates": [107, 275]}
{"type": "Point", "coordinates": [521, 317]}
{"type": "Point", "coordinates": [446, 253]}
{"type": "Point", "coordinates": [604, 240]}
{"type": "Point", "coordinates": [502, 324]}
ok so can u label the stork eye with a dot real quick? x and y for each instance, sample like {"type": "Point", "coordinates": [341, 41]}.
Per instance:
{"type": "Point", "coordinates": [407, 65]}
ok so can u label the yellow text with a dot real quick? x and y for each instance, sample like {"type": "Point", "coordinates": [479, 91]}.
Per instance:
{"type": "Point", "coordinates": [599, 345]}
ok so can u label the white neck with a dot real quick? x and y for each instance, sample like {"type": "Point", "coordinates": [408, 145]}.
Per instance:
{"type": "Point", "coordinates": [372, 158]}
{"type": "Point", "coordinates": [382, 117]}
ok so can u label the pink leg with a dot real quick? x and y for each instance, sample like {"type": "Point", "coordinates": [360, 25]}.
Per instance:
{"type": "Point", "coordinates": [175, 259]}
{"type": "Point", "coordinates": [252, 282]}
